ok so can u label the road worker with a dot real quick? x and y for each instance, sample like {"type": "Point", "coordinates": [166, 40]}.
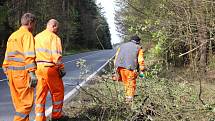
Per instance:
{"type": "Point", "coordinates": [19, 66]}
{"type": "Point", "coordinates": [128, 61]}
{"type": "Point", "coordinates": [50, 71]}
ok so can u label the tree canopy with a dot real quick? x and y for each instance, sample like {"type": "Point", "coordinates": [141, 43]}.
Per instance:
{"type": "Point", "coordinates": [179, 32]}
{"type": "Point", "coordinates": [79, 21]}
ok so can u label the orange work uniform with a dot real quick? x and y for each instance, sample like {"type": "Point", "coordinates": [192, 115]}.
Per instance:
{"type": "Point", "coordinates": [18, 62]}
{"type": "Point", "coordinates": [129, 58]}
{"type": "Point", "coordinates": [48, 58]}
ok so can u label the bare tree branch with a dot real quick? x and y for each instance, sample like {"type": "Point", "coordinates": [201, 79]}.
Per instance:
{"type": "Point", "coordinates": [192, 49]}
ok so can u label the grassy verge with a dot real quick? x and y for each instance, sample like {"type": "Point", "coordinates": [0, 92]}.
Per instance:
{"type": "Point", "coordinates": [157, 99]}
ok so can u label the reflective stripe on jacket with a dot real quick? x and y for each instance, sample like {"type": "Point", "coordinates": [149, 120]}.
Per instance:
{"type": "Point", "coordinates": [20, 52]}
{"type": "Point", "coordinates": [48, 48]}
{"type": "Point", "coordinates": [129, 55]}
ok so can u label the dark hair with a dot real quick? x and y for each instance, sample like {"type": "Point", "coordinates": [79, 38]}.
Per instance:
{"type": "Point", "coordinates": [135, 39]}
{"type": "Point", "coordinates": [28, 18]}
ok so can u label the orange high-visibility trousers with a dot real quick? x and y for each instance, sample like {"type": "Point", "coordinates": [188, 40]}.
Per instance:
{"type": "Point", "coordinates": [129, 81]}
{"type": "Point", "coordinates": [49, 80]}
{"type": "Point", "coordinates": [22, 95]}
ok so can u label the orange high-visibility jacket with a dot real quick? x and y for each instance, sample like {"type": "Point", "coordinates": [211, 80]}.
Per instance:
{"type": "Point", "coordinates": [130, 56]}
{"type": "Point", "coordinates": [48, 48]}
{"type": "Point", "coordinates": [20, 53]}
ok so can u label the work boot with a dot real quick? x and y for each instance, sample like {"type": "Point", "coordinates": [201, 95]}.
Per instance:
{"type": "Point", "coordinates": [63, 118]}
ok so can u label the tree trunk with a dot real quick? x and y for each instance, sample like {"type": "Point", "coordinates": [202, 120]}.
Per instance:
{"type": "Point", "coordinates": [202, 33]}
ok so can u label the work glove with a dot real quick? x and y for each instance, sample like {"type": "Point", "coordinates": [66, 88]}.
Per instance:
{"type": "Point", "coordinates": [62, 73]}
{"type": "Point", "coordinates": [141, 74]}
{"type": "Point", "coordinates": [33, 80]}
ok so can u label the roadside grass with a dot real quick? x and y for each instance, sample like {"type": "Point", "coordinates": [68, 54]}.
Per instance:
{"type": "Point", "coordinates": [158, 99]}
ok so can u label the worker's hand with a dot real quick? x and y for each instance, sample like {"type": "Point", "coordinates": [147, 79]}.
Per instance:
{"type": "Point", "coordinates": [62, 72]}
{"type": "Point", "coordinates": [7, 78]}
{"type": "Point", "coordinates": [141, 74]}
{"type": "Point", "coordinates": [33, 80]}
{"type": "Point", "coordinates": [5, 71]}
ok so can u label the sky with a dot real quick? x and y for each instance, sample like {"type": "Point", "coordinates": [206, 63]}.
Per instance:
{"type": "Point", "coordinates": [108, 6]}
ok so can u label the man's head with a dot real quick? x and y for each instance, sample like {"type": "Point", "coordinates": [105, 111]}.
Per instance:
{"type": "Point", "coordinates": [53, 25]}
{"type": "Point", "coordinates": [28, 20]}
{"type": "Point", "coordinates": [135, 39]}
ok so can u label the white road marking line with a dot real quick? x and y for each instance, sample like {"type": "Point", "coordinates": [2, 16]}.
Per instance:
{"type": "Point", "coordinates": [81, 57]}
{"type": "Point", "coordinates": [3, 80]}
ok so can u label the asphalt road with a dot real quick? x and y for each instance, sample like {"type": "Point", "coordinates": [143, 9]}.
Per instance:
{"type": "Point", "coordinates": [94, 60]}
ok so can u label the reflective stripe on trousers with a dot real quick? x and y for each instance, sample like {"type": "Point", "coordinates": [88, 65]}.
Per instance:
{"type": "Point", "coordinates": [21, 115]}
{"type": "Point", "coordinates": [57, 108]}
{"type": "Point", "coordinates": [40, 109]}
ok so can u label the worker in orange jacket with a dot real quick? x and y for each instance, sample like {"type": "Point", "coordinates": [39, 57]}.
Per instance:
{"type": "Point", "coordinates": [128, 60]}
{"type": "Point", "coordinates": [19, 67]}
{"type": "Point", "coordinates": [50, 71]}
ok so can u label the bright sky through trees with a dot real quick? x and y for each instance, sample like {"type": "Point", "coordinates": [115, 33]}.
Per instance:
{"type": "Point", "coordinates": [108, 6]}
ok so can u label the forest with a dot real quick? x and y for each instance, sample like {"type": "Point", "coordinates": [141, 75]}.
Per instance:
{"type": "Point", "coordinates": [178, 32]}
{"type": "Point", "coordinates": [82, 23]}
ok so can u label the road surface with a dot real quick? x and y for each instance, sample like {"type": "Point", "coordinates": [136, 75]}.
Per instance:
{"type": "Point", "coordinates": [94, 61]}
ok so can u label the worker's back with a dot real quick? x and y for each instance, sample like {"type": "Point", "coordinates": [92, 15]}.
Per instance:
{"type": "Point", "coordinates": [20, 50]}
{"type": "Point", "coordinates": [127, 56]}
{"type": "Point", "coordinates": [48, 48]}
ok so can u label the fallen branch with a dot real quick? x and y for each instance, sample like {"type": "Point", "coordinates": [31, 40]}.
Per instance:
{"type": "Point", "coordinates": [192, 49]}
